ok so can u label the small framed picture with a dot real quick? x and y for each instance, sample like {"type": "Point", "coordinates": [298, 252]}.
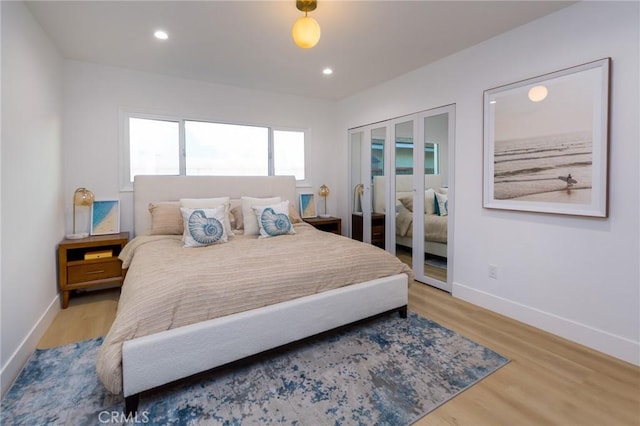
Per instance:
{"type": "Point", "coordinates": [105, 217]}
{"type": "Point", "coordinates": [307, 206]}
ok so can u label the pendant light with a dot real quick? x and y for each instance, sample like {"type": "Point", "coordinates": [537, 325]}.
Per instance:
{"type": "Point", "coordinates": [306, 30]}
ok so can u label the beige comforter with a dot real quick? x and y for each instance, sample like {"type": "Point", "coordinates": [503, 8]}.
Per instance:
{"type": "Point", "coordinates": [168, 286]}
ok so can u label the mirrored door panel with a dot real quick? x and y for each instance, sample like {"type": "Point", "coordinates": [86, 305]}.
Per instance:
{"type": "Point", "coordinates": [368, 206]}
{"type": "Point", "coordinates": [357, 186]}
{"type": "Point", "coordinates": [377, 180]}
{"type": "Point", "coordinates": [404, 188]}
{"type": "Point", "coordinates": [436, 143]}
{"type": "Point", "coordinates": [436, 202]}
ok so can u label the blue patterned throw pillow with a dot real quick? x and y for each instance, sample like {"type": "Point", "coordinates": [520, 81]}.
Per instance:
{"type": "Point", "coordinates": [273, 220]}
{"type": "Point", "coordinates": [203, 227]}
{"type": "Point", "coordinates": [442, 204]}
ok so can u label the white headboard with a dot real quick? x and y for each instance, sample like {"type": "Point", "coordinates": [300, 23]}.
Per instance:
{"type": "Point", "coordinates": [404, 187]}
{"type": "Point", "coordinates": [172, 188]}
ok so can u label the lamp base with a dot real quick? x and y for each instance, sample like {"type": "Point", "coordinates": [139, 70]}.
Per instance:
{"type": "Point", "coordinates": [324, 215]}
{"type": "Point", "coordinates": [77, 236]}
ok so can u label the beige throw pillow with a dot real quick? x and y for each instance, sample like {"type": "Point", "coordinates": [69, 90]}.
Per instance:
{"type": "Point", "coordinates": [165, 218]}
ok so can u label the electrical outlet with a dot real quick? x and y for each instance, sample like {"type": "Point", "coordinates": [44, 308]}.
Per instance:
{"type": "Point", "coordinates": [493, 271]}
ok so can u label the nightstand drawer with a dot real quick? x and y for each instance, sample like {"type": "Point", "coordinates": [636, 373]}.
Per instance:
{"type": "Point", "coordinates": [377, 231]}
{"type": "Point", "coordinates": [94, 271]}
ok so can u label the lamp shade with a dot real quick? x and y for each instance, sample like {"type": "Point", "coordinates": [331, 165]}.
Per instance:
{"type": "Point", "coordinates": [306, 32]}
{"type": "Point", "coordinates": [324, 191]}
{"type": "Point", "coordinates": [83, 197]}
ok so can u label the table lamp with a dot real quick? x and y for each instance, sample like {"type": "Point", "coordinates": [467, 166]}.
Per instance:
{"type": "Point", "coordinates": [324, 193]}
{"type": "Point", "coordinates": [81, 197]}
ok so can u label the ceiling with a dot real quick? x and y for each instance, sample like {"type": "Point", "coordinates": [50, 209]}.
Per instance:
{"type": "Point", "coordinates": [248, 43]}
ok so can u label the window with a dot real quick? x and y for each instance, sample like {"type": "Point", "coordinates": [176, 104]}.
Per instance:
{"type": "Point", "coordinates": [226, 149]}
{"type": "Point", "coordinates": [288, 153]}
{"type": "Point", "coordinates": [173, 146]}
{"type": "Point", "coordinates": [153, 147]}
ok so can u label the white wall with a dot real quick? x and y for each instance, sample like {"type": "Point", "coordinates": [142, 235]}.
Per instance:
{"type": "Point", "coordinates": [94, 95]}
{"type": "Point", "coordinates": [576, 277]}
{"type": "Point", "coordinates": [32, 219]}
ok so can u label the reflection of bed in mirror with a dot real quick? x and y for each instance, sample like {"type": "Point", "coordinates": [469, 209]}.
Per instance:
{"type": "Point", "coordinates": [435, 217]}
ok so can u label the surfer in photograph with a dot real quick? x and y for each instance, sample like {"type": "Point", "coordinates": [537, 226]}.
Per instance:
{"type": "Point", "coordinates": [568, 179]}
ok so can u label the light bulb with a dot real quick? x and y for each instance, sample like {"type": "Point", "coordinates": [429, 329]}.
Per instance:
{"type": "Point", "coordinates": [306, 32]}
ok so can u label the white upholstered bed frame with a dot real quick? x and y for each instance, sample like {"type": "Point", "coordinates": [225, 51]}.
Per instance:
{"type": "Point", "coordinates": [199, 347]}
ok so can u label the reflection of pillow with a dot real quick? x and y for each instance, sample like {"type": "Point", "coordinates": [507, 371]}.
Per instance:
{"type": "Point", "coordinates": [442, 204]}
{"type": "Point", "coordinates": [407, 202]}
{"type": "Point", "coordinates": [165, 218]}
{"type": "Point", "coordinates": [249, 218]}
{"type": "Point", "coordinates": [203, 227]}
{"type": "Point", "coordinates": [429, 207]}
{"type": "Point", "coordinates": [210, 203]}
{"type": "Point", "coordinates": [443, 190]}
{"type": "Point", "coordinates": [404, 219]}
{"type": "Point", "coordinates": [273, 220]}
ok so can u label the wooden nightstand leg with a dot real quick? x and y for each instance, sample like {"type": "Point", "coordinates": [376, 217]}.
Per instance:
{"type": "Point", "coordinates": [65, 299]}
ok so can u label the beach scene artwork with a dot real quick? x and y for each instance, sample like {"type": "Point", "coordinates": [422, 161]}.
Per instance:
{"type": "Point", "coordinates": [307, 206]}
{"type": "Point", "coordinates": [545, 141]}
{"type": "Point", "coordinates": [105, 217]}
{"type": "Point", "coordinates": [553, 168]}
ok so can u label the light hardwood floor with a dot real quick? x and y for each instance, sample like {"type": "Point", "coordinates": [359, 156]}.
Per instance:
{"type": "Point", "coordinates": [549, 381]}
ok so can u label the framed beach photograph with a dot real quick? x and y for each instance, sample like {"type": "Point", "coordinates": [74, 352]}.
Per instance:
{"type": "Point", "coordinates": [546, 142]}
{"type": "Point", "coordinates": [307, 206]}
{"type": "Point", "coordinates": [105, 217]}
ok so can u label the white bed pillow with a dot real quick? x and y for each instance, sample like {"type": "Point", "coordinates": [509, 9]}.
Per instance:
{"type": "Point", "coordinates": [210, 203]}
{"type": "Point", "coordinates": [273, 220]}
{"type": "Point", "coordinates": [204, 227]}
{"type": "Point", "coordinates": [249, 218]}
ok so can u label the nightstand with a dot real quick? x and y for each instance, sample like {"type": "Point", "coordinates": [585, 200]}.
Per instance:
{"type": "Point", "coordinates": [90, 262]}
{"type": "Point", "coordinates": [377, 228]}
{"type": "Point", "coordinates": [327, 224]}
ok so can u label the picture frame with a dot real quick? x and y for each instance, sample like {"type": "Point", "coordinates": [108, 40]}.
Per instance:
{"type": "Point", "coordinates": [105, 217]}
{"type": "Point", "coordinates": [546, 142]}
{"type": "Point", "coordinates": [307, 206]}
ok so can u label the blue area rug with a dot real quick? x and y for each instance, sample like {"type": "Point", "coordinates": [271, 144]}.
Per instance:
{"type": "Point", "coordinates": [385, 371]}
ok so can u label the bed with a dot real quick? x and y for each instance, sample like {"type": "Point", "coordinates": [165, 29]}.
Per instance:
{"type": "Point", "coordinates": [175, 317]}
{"type": "Point", "coordinates": [435, 219]}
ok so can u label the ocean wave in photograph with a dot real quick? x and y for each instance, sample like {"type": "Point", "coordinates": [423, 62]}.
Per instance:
{"type": "Point", "coordinates": [553, 168]}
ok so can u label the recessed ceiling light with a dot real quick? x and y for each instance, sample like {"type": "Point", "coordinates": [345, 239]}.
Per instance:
{"type": "Point", "coordinates": [161, 35]}
{"type": "Point", "coordinates": [327, 71]}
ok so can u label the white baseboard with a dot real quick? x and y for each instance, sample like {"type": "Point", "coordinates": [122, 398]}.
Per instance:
{"type": "Point", "coordinates": [28, 345]}
{"type": "Point", "coordinates": [599, 340]}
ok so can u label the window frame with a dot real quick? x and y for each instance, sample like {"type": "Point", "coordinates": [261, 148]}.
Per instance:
{"type": "Point", "coordinates": [125, 161]}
